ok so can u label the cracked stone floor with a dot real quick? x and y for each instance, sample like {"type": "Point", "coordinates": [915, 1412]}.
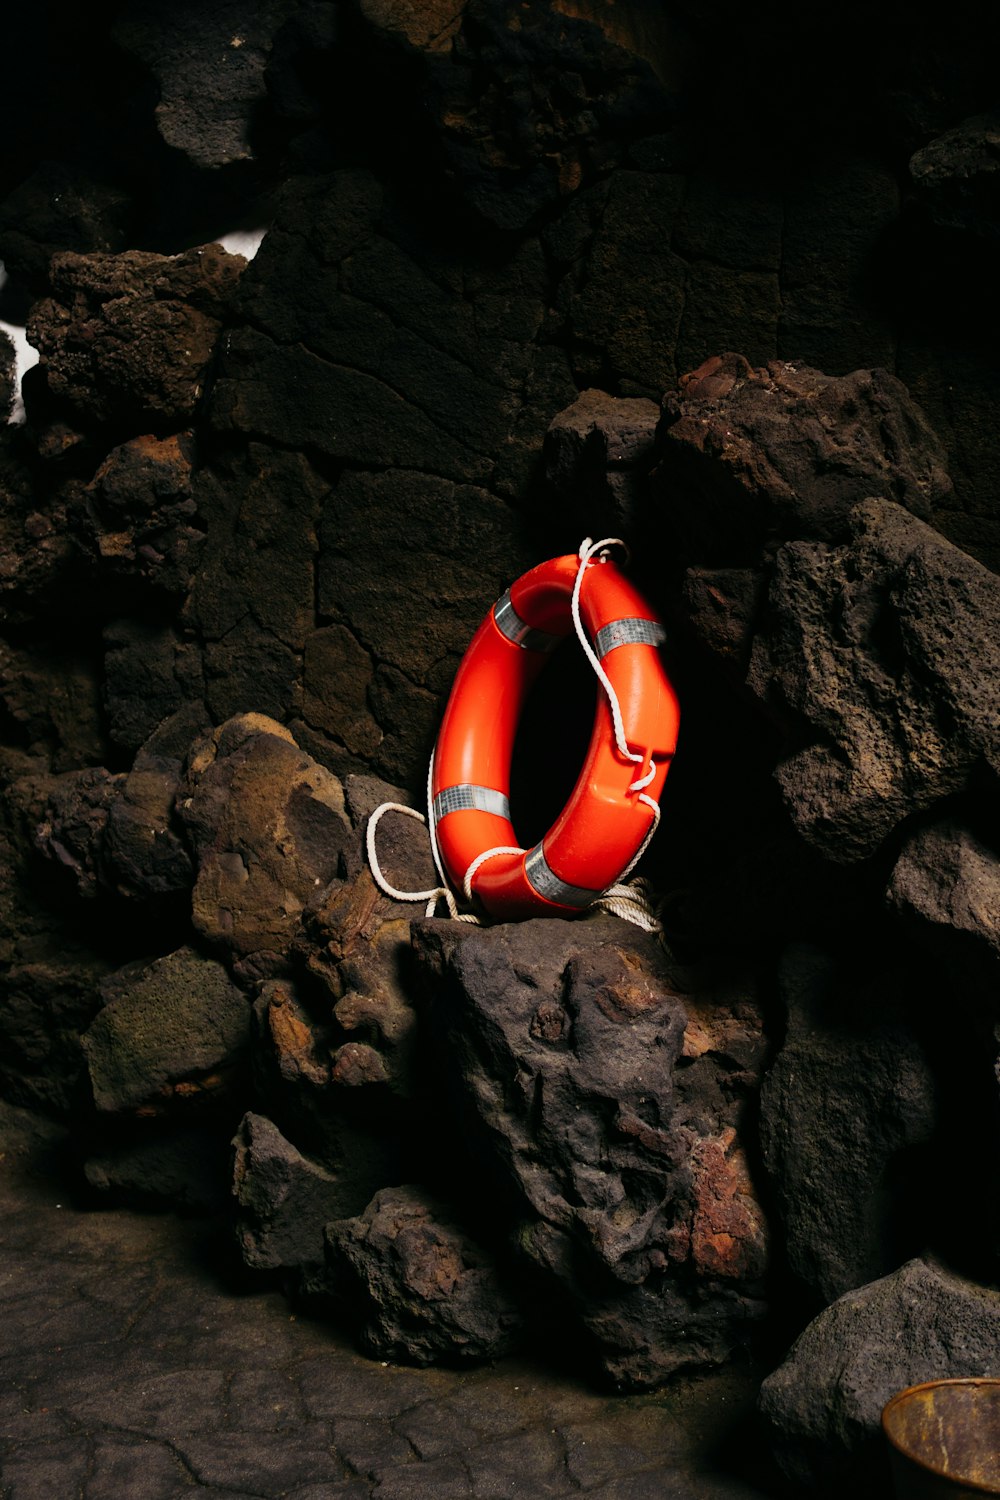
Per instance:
{"type": "Point", "coordinates": [133, 1369]}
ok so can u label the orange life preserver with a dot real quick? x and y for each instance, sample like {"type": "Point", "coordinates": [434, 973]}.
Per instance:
{"type": "Point", "coordinates": [613, 806]}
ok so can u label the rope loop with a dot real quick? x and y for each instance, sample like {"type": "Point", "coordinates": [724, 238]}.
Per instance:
{"type": "Point", "coordinates": [435, 894]}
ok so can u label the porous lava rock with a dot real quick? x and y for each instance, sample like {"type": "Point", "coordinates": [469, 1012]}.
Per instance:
{"type": "Point", "coordinates": [751, 455]}
{"type": "Point", "coordinates": [284, 1199]}
{"type": "Point", "coordinates": [957, 175]}
{"type": "Point", "coordinates": [519, 100]}
{"type": "Point", "coordinates": [420, 1286]}
{"type": "Point", "coordinates": [847, 1100]}
{"type": "Point", "coordinates": [209, 67]}
{"type": "Point", "coordinates": [126, 339]}
{"type": "Point", "coordinates": [268, 827]}
{"type": "Point", "coordinates": [598, 452]}
{"type": "Point", "coordinates": [143, 512]}
{"type": "Point", "coordinates": [145, 853]}
{"type": "Point", "coordinates": [169, 1032]}
{"type": "Point", "coordinates": [563, 1047]}
{"type": "Point", "coordinates": [825, 1402]}
{"type": "Point", "coordinates": [885, 648]}
{"type": "Point", "coordinates": [946, 881]}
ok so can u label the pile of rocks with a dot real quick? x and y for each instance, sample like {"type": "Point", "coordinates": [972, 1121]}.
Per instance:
{"type": "Point", "coordinates": [255, 515]}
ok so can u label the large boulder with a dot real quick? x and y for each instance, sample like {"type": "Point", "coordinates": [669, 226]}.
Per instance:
{"type": "Point", "coordinates": [824, 1404]}
{"type": "Point", "coordinates": [169, 1032]}
{"type": "Point", "coordinates": [753, 455]}
{"type": "Point", "coordinates": [884, 649]}
{"type": "Point", "coordinates": [846, 1102]}
{"type": "Point", "coordinates": [269, 829]}
{"type": "Point", "coordinates": [587, 1100]}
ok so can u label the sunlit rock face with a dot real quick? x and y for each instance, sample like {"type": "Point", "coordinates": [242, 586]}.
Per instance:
{"type": "Point", "coordinates": [596, 283]}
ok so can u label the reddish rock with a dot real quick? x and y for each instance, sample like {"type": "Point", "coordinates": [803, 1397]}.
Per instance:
{"type": "Point", "coordinates": [749, 456]}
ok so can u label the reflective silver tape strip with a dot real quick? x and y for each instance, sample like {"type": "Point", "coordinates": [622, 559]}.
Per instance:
{"type": "Point", "coordinates": [510, 624]}
{"type": "Point", "coordinates": [465, 795]}
{"type": "Point", "coordinates": [547, 883]}
{"type": "Point", "coordinates": [628, 632]}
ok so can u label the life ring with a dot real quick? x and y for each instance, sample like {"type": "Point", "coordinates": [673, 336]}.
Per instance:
{"type": "Point", "coordinates": [613, 807]}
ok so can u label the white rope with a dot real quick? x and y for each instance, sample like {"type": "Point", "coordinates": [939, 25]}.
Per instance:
{"type": "Point", "coordinates": [587, 550]}
{"type": "Point", "coordinates": [433, 896]}
{"type": "Point", "coordinates": [632, 904]}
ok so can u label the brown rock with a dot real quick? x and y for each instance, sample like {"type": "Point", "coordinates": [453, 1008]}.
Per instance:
{"type": "Point", "coordinates": [143, 509]}
{"type": "Point", "coordinates": [752, 455]}
{"type": "Point", "coordinates": [269, 829]}
{"type": "Point", "coordinates": [169, 1033]}
{"type": "Point", "coordinates": [421, 1287]}
{"type": "Point", "coordinates": [128, 337]}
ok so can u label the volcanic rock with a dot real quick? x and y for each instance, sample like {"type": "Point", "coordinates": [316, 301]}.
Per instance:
{"type": "Point", "coordinates": [269, 829]}
{"type": "Point", "coordinates": [143, 510]}
{"type": "Point", "coordinates": [284, 1198]}
{"type": "Point", "coordinates": [421, 1287]}
{"type": "Point", "coordinates": [128, 338]}
{"type": "Point", "coordinates": [885, 647]}
{"type": "Point", "coordinates": [825, 1402]}
{"type": "Point", "coordinates": [750, 456]}
{"type": "Point", "coordinates": [168, 1033]}
{"type": "Point", "coordinates": [948, 881]}
{"type": "Point", "coordinates": [293, 1059]}
{"type": "Point", "coordinates": [145, 853]}
{"type": "Point", "coordinates": [514, 99]}
{"type": "Point", "coordinates": [958, 176]}
{"type": "Point", "coordinates": [848, 1096]}
{"type": "Point", "coordinates": [209, 67]}
{"type": "Point", "coordinates": [562, 1047]}
{"type": "Point", "coordinates": [597, 453]}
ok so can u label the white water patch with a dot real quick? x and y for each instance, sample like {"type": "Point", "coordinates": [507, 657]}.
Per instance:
{"type": "Point", "coordinates": [245, 242]}
{"type": "Point", "coordinates": [24, 356]}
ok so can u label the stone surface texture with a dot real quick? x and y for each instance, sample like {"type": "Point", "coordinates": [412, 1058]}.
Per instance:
{"type": "Point", "coordinates": [825, 1402]}
{"type": "Point", "coordinates": [129, 1369]}
{"type": "Point", "coordinates": [528, 273]}
{"type": "Point", "coordinates": [563, 1053]}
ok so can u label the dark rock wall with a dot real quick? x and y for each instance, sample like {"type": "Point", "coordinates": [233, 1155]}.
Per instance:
{"type": "Point", "coordinates": [708, 282]}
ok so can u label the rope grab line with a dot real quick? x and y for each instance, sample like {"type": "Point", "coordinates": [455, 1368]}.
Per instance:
{"type": "Point", "coordinates": [629, 902]}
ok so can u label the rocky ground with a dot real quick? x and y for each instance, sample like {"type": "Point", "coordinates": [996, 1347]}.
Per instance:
{"type": "Point", "coordinates": [133, 1363]}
